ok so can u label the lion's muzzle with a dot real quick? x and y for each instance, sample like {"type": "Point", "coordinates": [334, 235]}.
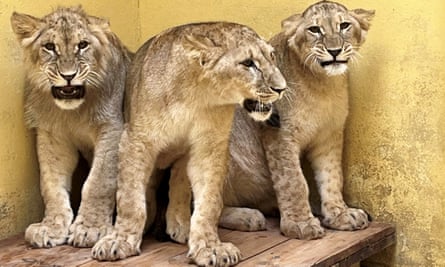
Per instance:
{"type": "Point", "coordinates": [68, 92]}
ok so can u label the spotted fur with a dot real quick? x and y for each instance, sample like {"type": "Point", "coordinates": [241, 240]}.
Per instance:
{"type": "Point", "coordinates": [185, 84]}
{"type": "Point", "coordinates": [313, 51]}
{"type": "Point", "coordinates": [264, 171]}
{"type": "Point", "coordinates": [74, 90]}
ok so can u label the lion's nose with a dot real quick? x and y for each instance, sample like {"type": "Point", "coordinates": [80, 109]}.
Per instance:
{"type": "Point", "coordinates": [68, 77]}
{"type": "Point", "coordinates": [334, 52]}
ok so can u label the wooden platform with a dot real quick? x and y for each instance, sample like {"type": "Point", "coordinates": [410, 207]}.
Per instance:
{"type": "Point", "coordinates": [264, 249]}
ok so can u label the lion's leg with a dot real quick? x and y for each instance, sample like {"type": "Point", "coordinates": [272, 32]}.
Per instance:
{"type": "Point", "coordinates": [297, 220]}
{"type": "Point", "coordinates": [207, 170]}
{"type": "Point", "coordinates": [180, 195]}
{"type": "Point", "coordinates": [178, 211]}
{"type": "Point", "coordinates": [326, 162]}
{"type": "Point", "coordinates": [242, 219]}
{"type": "Point", "coordinates": [57, 159]}
{"type": "Point", "coordinates": [94, 219]}
{"type": "Point", "coordinates": [136, 163]}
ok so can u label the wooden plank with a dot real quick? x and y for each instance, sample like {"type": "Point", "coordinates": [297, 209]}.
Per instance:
{"type": "Point", "coordinates": [331, 249]}
{"type": "Point", "coordinates": [366, 252]}
{"type": "Point", "coordinates": [254, 243]}
{"type": "Point", "coordinates": [265, 248]}
{"type": "Point", "coordinates": [15, 252]}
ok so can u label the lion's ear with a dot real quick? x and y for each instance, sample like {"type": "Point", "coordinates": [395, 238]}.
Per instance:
{"type": "Point", "coordinates": [98, 24]}
{"type": "Point", "coordinates": [364, 18]}
{"type": "Point", "coordinates": [201, 47]}
{"type": "Point", "coordinates": [100, 28]}
{"type": "Point", "coordinates": [290, 25]}
{"type": "Point", "coordinates": [26, 27]}
{"type": "Point", "coordinates": [198, 42]}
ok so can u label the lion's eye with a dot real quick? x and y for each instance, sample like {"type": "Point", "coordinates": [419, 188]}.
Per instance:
{"type": "Point", "coordinates": [248, 63]}
{"type": "Point", "coordinates": [83, 45]}
{"type": "Point", "coordinates": [344, 25]}
{"type": "Point", "coordinates": [314, 29]}
{"type": "Point", "coordinates": [50, 46]}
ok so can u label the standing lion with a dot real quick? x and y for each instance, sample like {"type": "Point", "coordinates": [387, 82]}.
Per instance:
{"type": "Point", "coordinates": [313, 52]}
{"type": "Point", "coordinates": [74, 90]}
{"type": "Point", "coordinates": [185, 85]}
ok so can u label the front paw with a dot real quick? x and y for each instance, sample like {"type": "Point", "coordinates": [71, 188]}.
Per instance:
{"type": "Point", "coordinates": [218, 254]}
{"type": "Point", "coordinates": [43, 235]}
{"type": "Point", "coordinates": [116, 247]}
{"type": "Point", "coordinates": [178, 231]}
{"type": "Point", "coordinates": [307, 229]}
{"type": "Point", "coordinates": [85, 234]}
{"type": "Point", "coordinates": [349, 219]}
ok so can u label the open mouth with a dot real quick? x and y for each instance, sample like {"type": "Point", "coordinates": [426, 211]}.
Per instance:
{"type": "Point", "coordinates": [333, 62]}
{"type": "Point", "coordinates": [256, 106]}
{"type": "Point", "coordinates": [68, 92]}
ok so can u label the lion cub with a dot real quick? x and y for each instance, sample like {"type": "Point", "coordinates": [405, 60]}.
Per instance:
{"type": "Point", "coordinates": [186, 83]}
{"type": "Point", "coordinates": [74, 90]}
{"type": "Point", "coordinates": [313, 52]}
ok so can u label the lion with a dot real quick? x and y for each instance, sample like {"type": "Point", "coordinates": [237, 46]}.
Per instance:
{"type": "Point", "coordinates": [313, 52]}
{"type": "Point", "coordinates": [74, 91]}
{"type": "Point", "coordinates": [264, 175]}
{"type": "Point", "coordinates": [186, 83]}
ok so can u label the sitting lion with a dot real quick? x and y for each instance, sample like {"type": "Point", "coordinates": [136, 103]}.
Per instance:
{"type": "Point", "coordinates": [186, 83]}
{"type": "Point", "coordinates": [313, 52]}
{"type": "Point", "coordinates": [74, 89]}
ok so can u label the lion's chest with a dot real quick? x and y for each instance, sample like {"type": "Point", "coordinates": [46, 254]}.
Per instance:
{"type": "Point", "coordinates": [182, 127]}
{"type": "Point", "coordinates": [315, 116]}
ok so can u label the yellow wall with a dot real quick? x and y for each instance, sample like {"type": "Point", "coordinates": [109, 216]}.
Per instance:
{"type": "Point", "coordinates": [394, 153]}
{"type": "Point", "coordinates": [394, 158]}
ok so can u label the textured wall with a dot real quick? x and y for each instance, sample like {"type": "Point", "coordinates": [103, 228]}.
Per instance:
{"type": "Point", "coordinates": [394, 158]}
{"type": "Point", "coordinates": [20, 202]}
{"type": "Point", "coordinates": [394, 153]}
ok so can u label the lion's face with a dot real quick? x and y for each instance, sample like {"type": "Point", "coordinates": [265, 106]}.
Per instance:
{"type": "Point", "coordinates": [254, 78]}
{"type": "Point", "coordinates": [327, 36]}
{"type": "Point", "coordinates": [243, 71]}
{"type": "Point", "coordinates": [65, 49]}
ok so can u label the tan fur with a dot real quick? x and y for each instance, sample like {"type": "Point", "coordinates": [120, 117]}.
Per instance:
{"type": "Point", "coordinates": [265, 171]}
{"type": "Point", "coordinates": [312, 115]}
{"type": "Point", "coordinates": [186, 83]}
{"type": "Point", "coordinates": [71, 48]}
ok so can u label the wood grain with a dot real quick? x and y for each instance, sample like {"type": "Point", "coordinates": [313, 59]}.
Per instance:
{"type": "Point", "coordinates": [265, 248]}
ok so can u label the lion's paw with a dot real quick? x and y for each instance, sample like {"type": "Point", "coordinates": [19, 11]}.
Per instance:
{"type": "Point", "coordinates": [242, 219]}
{"type": "Point", "coordinates": [178, 231]}
{"type": "Point", "coordinates": [349, 219]}
{"type": "Point", "coordinates": [219, 254]}
{"type": "Point", "coordinates": [115, 247]}
{"type": "Point", "coordinates": [83, 234]}
{"type": "Point", "coordinates": [43, 235]}
{"type": "Point", "coordinates": [308, 229]}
